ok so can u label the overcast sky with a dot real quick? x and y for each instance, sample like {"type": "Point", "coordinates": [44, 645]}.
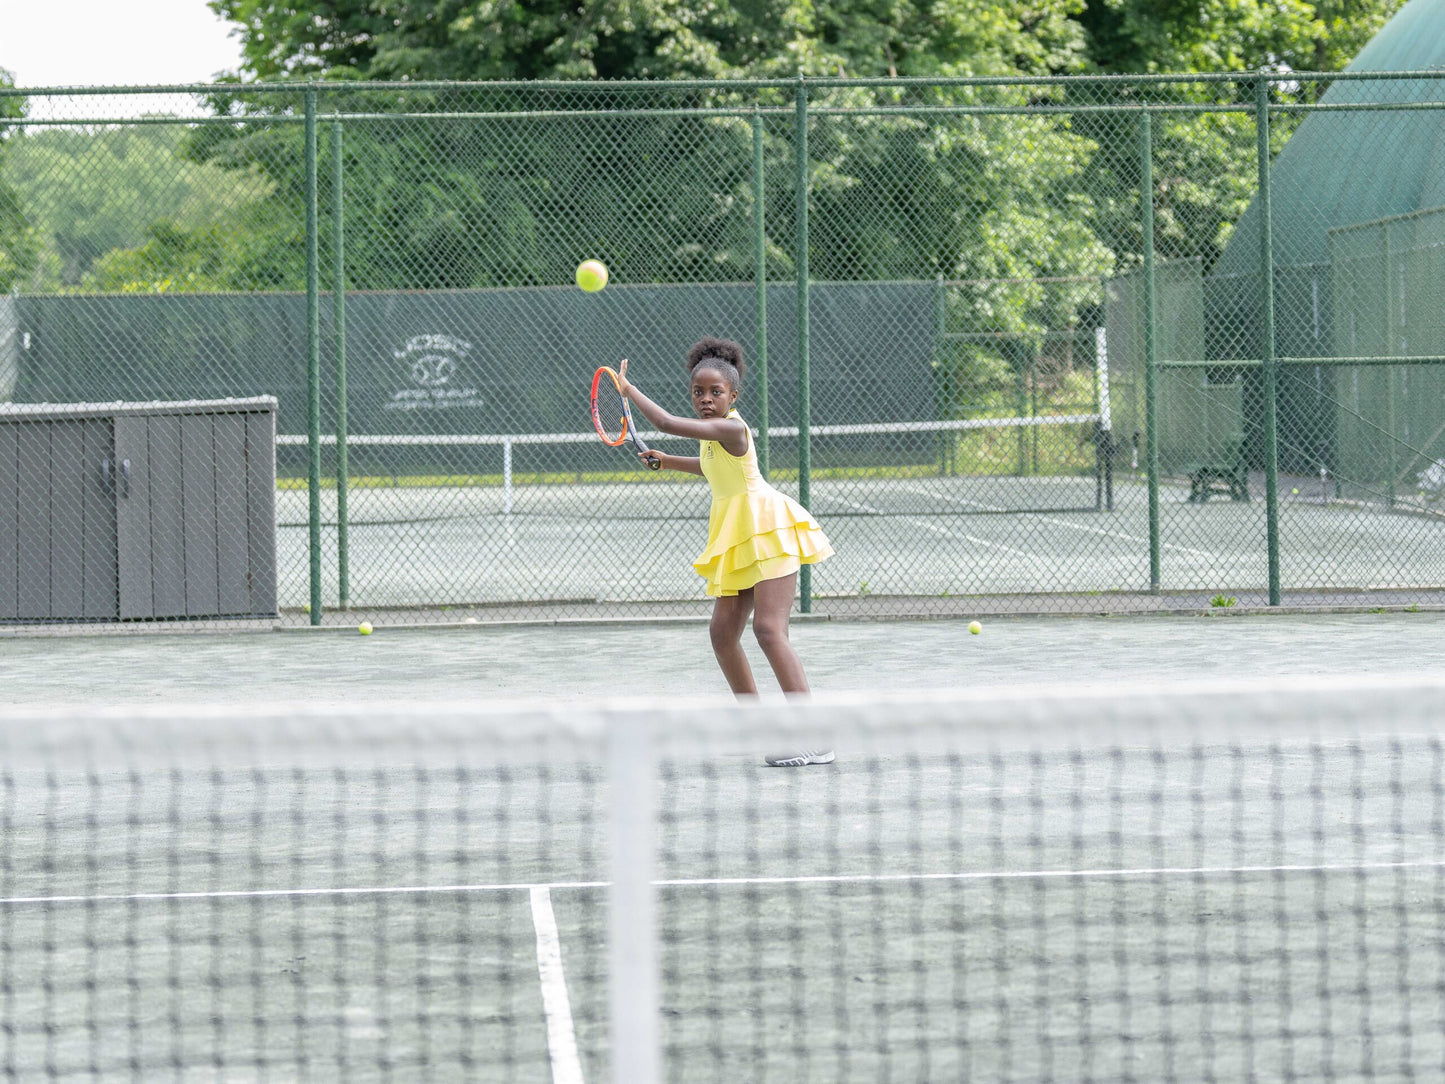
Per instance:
{"type": "Point", "coordinates": [113, 42]}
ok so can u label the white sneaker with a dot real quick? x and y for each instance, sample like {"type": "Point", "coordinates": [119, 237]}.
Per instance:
{"type": "Point", "coordinates": [798, 760]}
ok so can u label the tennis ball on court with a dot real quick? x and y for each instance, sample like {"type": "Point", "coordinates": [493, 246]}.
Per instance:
{"type": "Point", "coordinates": [591, 275]}
{"type": "Point", "coordinates": [364, 628]}
{"type": "Point", "coordinates": [974, 627]}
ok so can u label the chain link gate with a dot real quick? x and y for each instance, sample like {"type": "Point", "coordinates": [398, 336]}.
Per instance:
{"type": "Point", "coordinates": [1002, 380]}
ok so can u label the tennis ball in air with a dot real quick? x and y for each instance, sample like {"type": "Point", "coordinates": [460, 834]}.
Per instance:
{"type": "Point", "coordinates": [364, 628]}
{"type": "Point", "coordinates": [591, 275]}
{"type": "Point", "coordinates": [974, 627]}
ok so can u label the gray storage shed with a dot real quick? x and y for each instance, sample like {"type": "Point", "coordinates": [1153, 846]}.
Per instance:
{"type": "Point", "coordinates": [133, 511]}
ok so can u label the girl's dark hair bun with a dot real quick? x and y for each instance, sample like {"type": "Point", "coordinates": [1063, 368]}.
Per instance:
{"type": "Point", "coordinates": [717, 350]}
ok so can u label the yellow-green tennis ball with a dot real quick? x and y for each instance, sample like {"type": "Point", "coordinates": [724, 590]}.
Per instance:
{"type": "Point", "coordinates": [1295, 492]}
{"type": "Point", "coordinates": [364, 628]}
{"type": "Point", "coordinates": [974, 627]}
{"type": "Point", "coordinates": [591, 275]}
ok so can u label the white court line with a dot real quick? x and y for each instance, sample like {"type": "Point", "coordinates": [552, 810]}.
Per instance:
{"type": "Point", "coordinates": [1059, 522]}
{"type": "Point", "coordinates": [704, 882]}
{"type": "Point", "coordinates": [561, 1037]}
{"type": "Point", "coordinates": [936, 529]}
{"type": "Point", "coordinates": [289, 893]}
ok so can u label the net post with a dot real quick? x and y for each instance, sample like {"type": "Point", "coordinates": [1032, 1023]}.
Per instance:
{"type": "Point", "coordinates": [338, 328]}
{"type": "Point", "coordinates": [313, 357]}
{"type": "Point", "coordinates": [805, 487]}
{"type": "Point", "coordinates": [1021, 400]}
{"type": "Point", "coordinates": [507, 476]}
{"type": "Point", "coordinates": [760, 292]}
{"type": "Point", "coordinates": [1033, 356]}
{"type": "Point", "coordinates": [631, 913]}
{"type": "Point", "coordinates": [1267, 343]}
{"type": "Point", "coordinates": [1104, 448]}
{"type": "Point", "coordinates": [1151, 419]}
{"type": "Point", "coordinates": [940, 392]}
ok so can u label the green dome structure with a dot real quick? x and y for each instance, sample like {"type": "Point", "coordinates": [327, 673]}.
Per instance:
{"type": "Point", "coordinates": [1358, 241]}
{"type": "Point", "coordinates": [1339, 169]}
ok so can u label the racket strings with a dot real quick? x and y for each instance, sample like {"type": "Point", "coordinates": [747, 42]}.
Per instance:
{"type": "Point", "coordinates": [611, 417]}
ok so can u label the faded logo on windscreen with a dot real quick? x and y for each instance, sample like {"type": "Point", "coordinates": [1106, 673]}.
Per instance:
{"type": "Point", "coordinates": [436, 367]}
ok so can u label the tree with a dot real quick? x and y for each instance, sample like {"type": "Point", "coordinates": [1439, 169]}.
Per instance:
{"type": "Point", "coordinates": [633, 39]}
{"type": "Point", "coordinates": [508, 201]}
{"type": "Point", "coordinates": [18, 245]}
{"type": "Point", "coordinates": [87, 192]}
{"type": "Point", "coordinates": [651, 39]}
{"type": "Point", "coordinates": [1230, 35]}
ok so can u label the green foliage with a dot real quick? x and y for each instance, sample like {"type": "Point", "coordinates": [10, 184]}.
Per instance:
{"type": "Point", "coordinates": [1024, 214]}
{"type": "Point", "coordinates": [18, 243]}
{"type": "Point", "coordinates": [260, 254]}
{"type": "Point", "coordinates": [1204, 164]}
{"type": "Point", "coordinates": [1230, 35]}
{"type": "Point", "coordinates": [653, 39]}
{"type": "Point", "coordinates": [419, 199]}
{"type": "Point", "coordinates": [89, 192]}
{"type": "Point", "coordinates": [1223, 601]}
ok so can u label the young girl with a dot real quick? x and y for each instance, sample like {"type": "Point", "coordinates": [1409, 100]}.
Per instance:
{"type": "Point", "coordinates": [757, 537]}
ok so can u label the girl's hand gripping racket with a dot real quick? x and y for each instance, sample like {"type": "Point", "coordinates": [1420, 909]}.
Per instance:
{"type": "Point", "coordinates": [612, 417]}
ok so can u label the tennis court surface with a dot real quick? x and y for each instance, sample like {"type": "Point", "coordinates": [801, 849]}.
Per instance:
{"type": "Point", "coordinates": [1179, 877]}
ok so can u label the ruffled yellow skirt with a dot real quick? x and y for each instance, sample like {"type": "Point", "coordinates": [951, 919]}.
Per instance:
{"type": "Point", "coordinates": [758, 536]}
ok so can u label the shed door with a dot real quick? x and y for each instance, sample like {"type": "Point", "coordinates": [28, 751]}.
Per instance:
{"type": "Point", "coordinates": [64, 519]}
{"type": "Point", "coordinates": [184, 516]}
{"type": "Point", "coordinates": [133, 516]}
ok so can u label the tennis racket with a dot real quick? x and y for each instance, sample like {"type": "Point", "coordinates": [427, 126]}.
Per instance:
{"type": "Point", "coordinates": [612, 417]}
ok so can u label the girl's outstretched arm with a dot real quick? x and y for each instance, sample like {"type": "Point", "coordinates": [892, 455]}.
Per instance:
{"type": "Point", "coordinates": [691, 464]}
{"type": "Point", "coordinates": [729, 432]}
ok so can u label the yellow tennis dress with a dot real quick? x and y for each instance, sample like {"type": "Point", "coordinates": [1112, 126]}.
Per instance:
{"type": "Point", "coordinates": [754, 533]}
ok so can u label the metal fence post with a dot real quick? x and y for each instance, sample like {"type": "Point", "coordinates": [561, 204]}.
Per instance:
{"type": "Point", "coordinates": [760, 293]}
{"type": "Point", "coordinates": [1267, 344]}
{"type": "Point", "coordinates": [313, 359]}
{"type": "Point", "coordinates": [338, 327]}
{"type": "Point", "coordinates": [1151, 341]}
{"type": "Point", "coordinates": [805, 578]}
{"type": "Point", "coordinates": [1391, 379]}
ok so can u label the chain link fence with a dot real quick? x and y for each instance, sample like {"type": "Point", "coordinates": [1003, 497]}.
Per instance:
{"type": "Point", "coordinates": [1002, 380]}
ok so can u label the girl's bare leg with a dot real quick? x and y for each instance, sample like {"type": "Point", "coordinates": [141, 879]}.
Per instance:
{"type": "Point", "coordinates": [729, 619]}
{"type": "Point", "coordinates": [773, 600]}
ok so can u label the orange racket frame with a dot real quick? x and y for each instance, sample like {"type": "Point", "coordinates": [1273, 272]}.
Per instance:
{"type": "Point", "coordinates": [629, 430]}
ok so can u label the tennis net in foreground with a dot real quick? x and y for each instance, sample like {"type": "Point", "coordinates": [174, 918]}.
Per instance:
{"type": "Point", "coordinates": [1066, 884]}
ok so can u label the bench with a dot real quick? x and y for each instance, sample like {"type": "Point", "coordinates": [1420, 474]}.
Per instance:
{"type": "Point", "coordinates": [1229, 475]}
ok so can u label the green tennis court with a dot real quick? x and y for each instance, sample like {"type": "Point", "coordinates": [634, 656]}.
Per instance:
{"type": "Point", "coordinates": [483, 664]}
{"type": "Point", "coordinates": [922, 537]}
